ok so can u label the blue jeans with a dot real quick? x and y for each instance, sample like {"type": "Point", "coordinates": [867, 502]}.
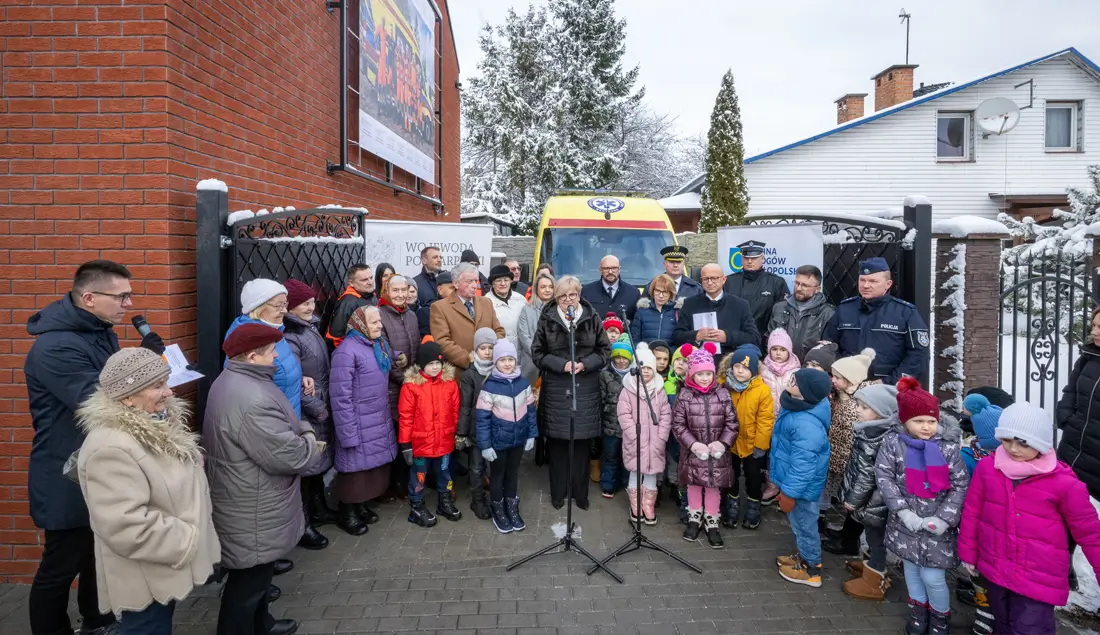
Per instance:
{"type": "Point", "coordinates": [418, 471]}
{"type": "Point", "coordinates": [928, 585]}
{"type": "Point", "coordinates": [155, 619]}
{"type": "Point", "coordinates": [803, 519]}
{"type": "Point", "coordinates": [612, 473]}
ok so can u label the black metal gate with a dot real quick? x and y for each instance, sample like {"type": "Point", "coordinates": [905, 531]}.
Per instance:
{"type": "Point", "coordinates": [314, 246]}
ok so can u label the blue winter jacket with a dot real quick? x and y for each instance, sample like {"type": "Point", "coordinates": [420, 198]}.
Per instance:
{"type": "Point", "coordinates": [650, 324]}
{"type": "Point", "coordinates": [288, 370]}
{"type": "Point", "coordinates": [800, 451]}
{"type": "Point", "coordinates": [505, 413]}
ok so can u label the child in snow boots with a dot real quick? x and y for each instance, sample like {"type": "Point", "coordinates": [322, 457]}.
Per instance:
{"type": "Point", "coordinates": [677, 370]}
{"type": "Point", "coordinates": [612, 472]}
{"type": "Point", "coordinates": [428, 410]}
{"type": "Point", "coordinates": [506, 428]}
{"type": "Point", "coordinates": [752, 399]}
{"type": "Point", "coordinates": [469, 387]}
{"type": "Point", "coordinates": [799, 463]}
{"type": "Point", "coordinates": [705, 423]}
{"type": "Point", "coordinates": [646, 420]}
{"type": "Point", "coordinates": [1022, 507]}
{"type": "Point", "coordinates": [923, 482]}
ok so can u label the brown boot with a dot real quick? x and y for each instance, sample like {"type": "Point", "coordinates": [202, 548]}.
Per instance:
{"type": "Point", "coordinates": [872, 586]}
{"type": "Point", "coordinates": [594, 470]}
{"type": "Point", "coordinates": [855, 567]}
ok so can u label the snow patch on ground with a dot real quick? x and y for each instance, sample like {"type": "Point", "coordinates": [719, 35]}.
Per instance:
{"type": "Point", "coordinates": [239, 215]}
{"type": "Point", "coordinates": [559, 531]}
{"type": "Point", "coordinates": [212, 184]}
{"type": "Point", "coordinates": [963, 226]}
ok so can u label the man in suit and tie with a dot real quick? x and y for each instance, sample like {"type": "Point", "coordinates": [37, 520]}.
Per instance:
{"type": "Point", "coordinates": [455, 319]}
{"type": "Point", "coordinates": [610, 293]}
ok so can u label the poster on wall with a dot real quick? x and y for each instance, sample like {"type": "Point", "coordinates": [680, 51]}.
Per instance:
{"type": "Point", "coordinates": [397, 65]}
{"type": "Point", "coordinates": [786, 247]}
{"type": "Point", "coordinates": [399, 243]}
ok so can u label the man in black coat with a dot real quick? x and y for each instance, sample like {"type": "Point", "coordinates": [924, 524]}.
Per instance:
{"type": "Point", "coordinates": [360, 292]}
{"type": "Point", "coordinates": [431, 261]}
{"type": "Point", "coordinates": [735, 323]}
{"type": "Point", "coordinates": [761, 289]}
{"type": "Point", "coordinates": [610, 293]}
{"type": "Point", "coordinates": [74, 336]}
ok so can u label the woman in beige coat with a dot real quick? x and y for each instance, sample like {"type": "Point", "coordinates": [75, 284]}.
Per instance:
{"type": "Point", "coordinates": [141, 472]}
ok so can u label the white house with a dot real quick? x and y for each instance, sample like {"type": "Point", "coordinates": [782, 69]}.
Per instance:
{"type": "Point", "coordinates": [930, 144]}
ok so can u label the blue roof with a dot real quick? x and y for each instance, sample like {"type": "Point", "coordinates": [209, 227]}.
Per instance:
{"type": "Point", "coordinates": [1086, 64]}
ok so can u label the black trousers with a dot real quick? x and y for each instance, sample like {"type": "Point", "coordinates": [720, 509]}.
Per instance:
{"type": "Point", "coordinates": [504, 475]}
{"type": "Point", "coordinates": [244, 607]}
{"type": "Point", "coordinates": [557, 451]}
{"type": "Point", "coordinates": [68, 553]}
{"type": "Point", "coordinates": [753, 469]}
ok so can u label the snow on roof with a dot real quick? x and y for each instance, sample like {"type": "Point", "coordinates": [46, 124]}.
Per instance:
{"type": "Point", "coordinates": [212, 184]}
{"type": "Point", "coordinates": [963, 226]}
{"type": "Point", "coordinates": [493, 217]}
{"type": "Point", "coordinates": [916, 199]}
{"type": "Point", "coordinates": [678, 202]}
{"type": "Point", "coordinates": [1075, 57]}
{"type": "Point", "coordinates": [694, 185]}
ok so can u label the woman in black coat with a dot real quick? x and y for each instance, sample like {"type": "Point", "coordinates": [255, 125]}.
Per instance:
{"type": "Point", "coordinates": [1078, 414]}
{"type": "Point", "coordinates": [550, 353]}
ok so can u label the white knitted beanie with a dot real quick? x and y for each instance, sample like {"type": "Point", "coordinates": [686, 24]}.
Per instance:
{"type": "Point", "coordinates": [644, 357]}
{"type": "Point", "coordinates": [257, 292]}
{"type": "Point", "coordinates": [1029, 423]}
{"type": "Point", "coordinates": [854, 368]}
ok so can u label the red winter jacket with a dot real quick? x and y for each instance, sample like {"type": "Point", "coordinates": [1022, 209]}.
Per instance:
{"type": "Point", "coordinates": [428, 411]}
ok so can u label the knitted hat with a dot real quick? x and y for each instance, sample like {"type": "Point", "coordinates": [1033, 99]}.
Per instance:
{"type": "Point", "coordinates": [748, 355]}
{"type": "Point", "coordinates": [824, 355]}
{"type": "Point", "coordinates": [855, 367]}
{"type": "Point", "coordinates": [995, 395]}
{"type": "Point", "coordinates": [975, 404]}
{"type": "Point", "coordinates": [621, 348]}
{"type": "Point", "coordinates": [130, 371]}
{"type": "Point", "coordinates": [499, 271]}
{"type": "Point", "coordinates": [914, 401]}
{"type": "Point", "coordinates": [813, 384]}
{"type": "Point", "coordinates": [297, 293]}
{"type": "Point", "coordinates": [504, 348]}
{"type": "Point", "coordinates": [882, 398]}
{"type": "Point", "coordinates": [612, 320]}
{"type": "Point", "coordinates": [257, 292]}
{"type": "Point", "coordinates": [985, 425]}
{"type": "Point", "coordinates": [430, 352]}
{"type": "Point", "coordinates": [469, 255]}
{"type": "Point", "coordinates": [780, 337]}
{"type": "Point", "coordinates": [701, 359]}
{"type": "Point", "coordinates": [656, 345]}
{"type": "Point", "coordinates": [484, 335]}
{"type": "Point", "coordinates": [645, 357]}
{"type": "Point", "coordinates": [249, 337]}
{"type": "Point", "coordinates": [1028, 423]}
{"type": "Point", "coordinates": [443, 277]}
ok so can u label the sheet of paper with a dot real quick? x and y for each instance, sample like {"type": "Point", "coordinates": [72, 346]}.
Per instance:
{"type": "Point", "coordinates": [177, 363]}
{"type": "Point", "coordinates": [708, 320]}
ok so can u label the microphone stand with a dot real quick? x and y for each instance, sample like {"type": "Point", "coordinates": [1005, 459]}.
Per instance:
{"type": "Point", "coordinates": [567, 542]}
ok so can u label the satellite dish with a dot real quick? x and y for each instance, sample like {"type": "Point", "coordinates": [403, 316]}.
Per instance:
{"type": "Point", "coordinates": [997, 115]}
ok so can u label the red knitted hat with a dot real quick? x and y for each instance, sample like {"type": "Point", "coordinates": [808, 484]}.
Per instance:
{"type": "Point", "coordinates": [297, 292]}
{"type": "Point", "coordinates": [611, 320]}
{"type": "Point", "coordinates": [914, 401]}
{"type": "Point", "coordinates": [249, 337]}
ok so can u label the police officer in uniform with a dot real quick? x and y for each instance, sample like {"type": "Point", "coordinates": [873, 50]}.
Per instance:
{"type": "Point", "coordinates": [874, 319]}
{"type": "Point", "coordinates": [674, 256]}
{"type": "Point", "coordinates": [761, 289]}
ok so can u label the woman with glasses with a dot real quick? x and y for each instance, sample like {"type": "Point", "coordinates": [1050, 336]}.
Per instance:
{"type": "Point", "coordinates": [264, 302]}
{"type": "Point", "coordinates": [657, 311]}
{"type": "Point", "coordinates": [550, 353]}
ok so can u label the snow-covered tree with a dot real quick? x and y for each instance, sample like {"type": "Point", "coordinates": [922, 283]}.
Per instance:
{"type": "Point", "coordinates": [725, 199]}
{"type": "Point", "coordinates": [656, 158]}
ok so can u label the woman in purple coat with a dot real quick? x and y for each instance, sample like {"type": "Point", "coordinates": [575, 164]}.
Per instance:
{"type": "Point", "coordinates": [402, 333]}
{"type": "Point", "coordinates": [365, 439]}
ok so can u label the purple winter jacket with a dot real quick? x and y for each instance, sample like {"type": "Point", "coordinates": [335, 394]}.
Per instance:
{"type": "Point", "coordinates": [359, 397]}
{"type": "Point", "coordinates": [704, 418]}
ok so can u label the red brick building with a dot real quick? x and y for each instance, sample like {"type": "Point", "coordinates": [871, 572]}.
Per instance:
{"type": "Point", "coordinates": [112, 110]}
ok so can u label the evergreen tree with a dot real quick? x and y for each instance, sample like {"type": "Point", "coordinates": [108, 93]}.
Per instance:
{"type": "Point", "coordinates": [725, 199]}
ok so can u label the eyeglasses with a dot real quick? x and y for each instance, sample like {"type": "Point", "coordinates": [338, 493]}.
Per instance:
{"type": "Point", "coordinates": [662, 292]}
{"type": "Point", "coordinates": [609, 268]}
{"type": "Point", "coordinates": [123, 298]}
{"type": "Point", "coordinates": [513, 269]}
{"type": "Point", "coordinates": [799, 285]}
{"type": "Point", "coordinates": [569, 296]}
{"type": "Point", "coordinates": [712, 279]}
{"type": "Point", "coordinates": [281, 306]}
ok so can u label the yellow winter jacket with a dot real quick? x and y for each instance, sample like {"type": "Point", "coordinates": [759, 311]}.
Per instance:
{"type": "Point", "coordinates": [756, 416]}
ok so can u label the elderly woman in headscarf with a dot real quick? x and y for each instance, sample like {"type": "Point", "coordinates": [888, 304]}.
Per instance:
{"type": "Point", "coordinates": [264, 302]}
{"type": "Point", "coordinates": [141, 473]}
{"type": "Point", "coordinates": [366, 442]}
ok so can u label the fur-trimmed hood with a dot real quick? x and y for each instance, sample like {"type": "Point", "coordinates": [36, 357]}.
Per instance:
{"type": "Point", "coordinates": [171, 437]}
{"type": "Point", "coordinates": [645, 302]}
{"type": "Point", "coordinates": [413, 376]}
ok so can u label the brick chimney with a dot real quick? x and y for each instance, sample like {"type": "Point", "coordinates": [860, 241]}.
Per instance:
{"type": "Point", "coordinates": [849, 107]}
{"type": "Point", "coordinates": [893, 85]}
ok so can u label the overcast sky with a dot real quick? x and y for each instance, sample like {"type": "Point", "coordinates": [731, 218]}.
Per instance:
{"type": "Point", "coordinates": [792, 58]}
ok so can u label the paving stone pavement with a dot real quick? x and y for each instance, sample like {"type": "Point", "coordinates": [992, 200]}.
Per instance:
{"type": "Point", "coordinates": [399, 578]}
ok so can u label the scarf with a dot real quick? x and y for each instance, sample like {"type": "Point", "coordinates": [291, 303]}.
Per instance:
{"type": "Point", "coordinates": [511, 376]}
{"type": "Point", "coordinates": [621, 371]}
{"type": "Point", "coordinates": [483, 366]}
{"type": "Point", "coordinates": [690, 382]}
{"type": "Point", "coordinates": [384, 301]}
{"type": "Point", "coordinates": [1016, 470]}
{"type": "Point", "coordinates": [779, 370]}
{"type": "Point", "coordinates": [738, 386]}
{"type": "Point", "coordinates": [382, 353]}
{"type": "Point", "coordinates": [788, 402]}
{"type": "Point", "coordinates": [926, 472]}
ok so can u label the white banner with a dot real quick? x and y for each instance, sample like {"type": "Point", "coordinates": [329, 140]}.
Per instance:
{"type": "Point", "coordinates": [399, 243]}
{"type": "Point", "coordinates": [787, 247]}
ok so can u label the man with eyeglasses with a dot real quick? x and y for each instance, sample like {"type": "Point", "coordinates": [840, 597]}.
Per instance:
{"type": "Point", "coordinates": [804, 314]}
{"type": "Point", "coordinates": [518, 285]}
{"type": "Point", "coordinates": [611, 294]}
{"type": "Point", "coordinates": [74, 336]}
{"type": "Point", "coordinates": [761, 289]}
{"type": "Point", "coordinates": [735, 325]}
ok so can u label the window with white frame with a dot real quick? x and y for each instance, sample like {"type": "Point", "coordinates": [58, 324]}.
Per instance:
{"type": "Point", "coordinates": [1061, 129]}
{"type": "Point", "coordinates": [953, 136]}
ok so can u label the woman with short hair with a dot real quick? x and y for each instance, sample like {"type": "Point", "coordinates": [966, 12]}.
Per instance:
{"type": "Point", "coordinates": [658, 310]}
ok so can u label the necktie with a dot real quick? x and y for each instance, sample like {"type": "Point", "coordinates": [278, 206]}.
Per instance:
{"type": "Point", "coordinates": [610, 293]}
{"type": "Point", "coordinates": [470, 308]}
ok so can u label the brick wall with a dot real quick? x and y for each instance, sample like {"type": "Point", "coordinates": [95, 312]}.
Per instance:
{"type": "Point", "coordinates": [109, 114]}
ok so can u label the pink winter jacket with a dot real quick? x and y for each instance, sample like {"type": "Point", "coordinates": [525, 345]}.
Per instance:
{"type": "Point", "coordinates": [1016, 534]}
{"type": "Point", "coordinates": [654, 434]}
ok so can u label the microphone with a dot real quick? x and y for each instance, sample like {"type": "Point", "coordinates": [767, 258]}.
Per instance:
{"type": "Point", "coordinates": [141, 325]}
{"type": "Point", "coordinates": [570, 313]}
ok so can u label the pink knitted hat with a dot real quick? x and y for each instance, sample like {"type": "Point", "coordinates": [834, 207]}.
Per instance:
{"type": "Point", "coordinates": [702, 359]}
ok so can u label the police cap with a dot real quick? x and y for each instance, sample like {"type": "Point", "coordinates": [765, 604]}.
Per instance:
{"type": "Point", "coordinates": [873, 265]}
{"type": "Point", "coordinates": [752, 248]}
{"type": "Point", "coordinates": [675, 253]}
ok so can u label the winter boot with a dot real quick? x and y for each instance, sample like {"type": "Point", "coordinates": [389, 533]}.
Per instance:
{"type": "Point", "coordinates": [511, 505]}
{"type": "Point", "coordinates": [319, 512]}
{"type": "Point", "coordinates": [939, 623]}
{"type": "Point", "coordinates": [632, 496]}
{"type": "Point", "coordinates": [855, 567]}
{"type": "Point", "coordinates": [983, 622]}
{"type": "Point", "coordinates": [802, 573]}
{"type": "Point", "coordinates": [312, 539]}
{"type": "Point", "coordinates": [731, 510]}
{"type": "Point", "coordinates": [480, 505]}
{"type": "Point", "coordinates": [594, 470]}
{"type": "Point", "coordinates": [694, 525]}
{"type": "Point", "coordinates": [714, 537]}
{"type": "Point", "coordinates": [500, 517]}
{"type": "Point", "coordinates": [649, 506]}
{"type": "Point", "coordinates": [752, 514]}
{"type": "Point", "coordinates": [683, 505]}
{"type": "Point", "coordinates": [917, 622]}
{"type": "Point", "coordinates": [847, 543]}
{"type": "Point", "coordinates": [771, 494]}
{"type": "Point", "coordinates": [350, 520]}
{"type": "Point", "coordinates": [871, 586]}
{"type": "Point", "coordinates": [368, 515]}
{"type": "Point", "coordinates": [446, 506]}
{"type": "Point", "coordinates": [419, 515]}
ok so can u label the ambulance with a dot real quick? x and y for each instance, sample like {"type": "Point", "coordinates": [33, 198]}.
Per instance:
{"type": "Point", "coordinates": [579, 228]}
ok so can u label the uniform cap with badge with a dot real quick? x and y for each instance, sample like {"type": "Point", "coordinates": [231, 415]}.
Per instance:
{"type": "Point", "coordinates": [675, 253]}
{"type": "Point", "coordinates": [752, 248]}
{"type": "Point", "coordinates": [872, 266]}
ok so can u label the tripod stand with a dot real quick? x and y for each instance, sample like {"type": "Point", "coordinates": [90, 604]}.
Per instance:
{"type": "Point", "coordinates": [567, 542]}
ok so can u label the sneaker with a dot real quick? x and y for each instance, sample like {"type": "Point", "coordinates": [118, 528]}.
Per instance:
{"type": "Point", "coordinates": [607, 495]}
{"type": "Point", "coordinates": [788, 561]}
{"type": "Point", "coordinates": [771, 494]}
{"type": "Point", "coordinates": [802, 574]}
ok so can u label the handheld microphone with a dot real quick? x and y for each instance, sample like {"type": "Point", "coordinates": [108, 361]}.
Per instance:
{"type": "Point", "coordinates": [141, 325]}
